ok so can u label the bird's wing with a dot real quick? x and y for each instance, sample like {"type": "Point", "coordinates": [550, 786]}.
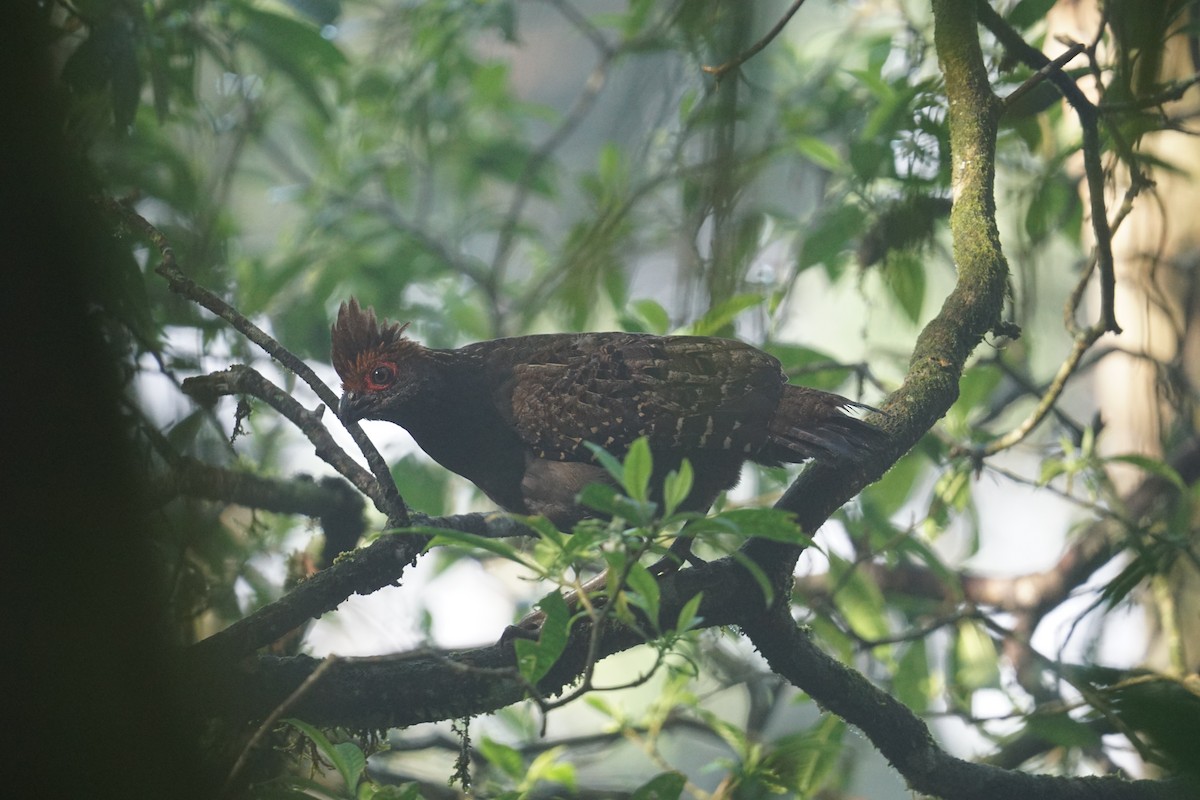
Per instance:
{"type": "Point", "coordinates": [684, 393]}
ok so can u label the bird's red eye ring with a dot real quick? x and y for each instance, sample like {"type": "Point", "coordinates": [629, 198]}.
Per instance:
{"type": "Point", "coordinates": [381, 376]}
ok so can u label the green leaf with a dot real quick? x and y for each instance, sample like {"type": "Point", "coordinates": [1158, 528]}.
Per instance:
{"type": "Point", "coordinates": [859, 599]}
{"type": "Point", "coordinates": [951, 493]}
{"type": "Point", "coordinates": [1165, 711]}
{"type": "Point", "coordinates": [424, 484]}
{"type": "Point", "coordinates": [406, 791]}
{"type": "Point", "coordinates": [1063, 730]}
{"type": "Point", "coordinates": [546, 531]}
{"type": "Point", "coordinates": [830, 236]}
{"type": "Point", "coordinates": [1027, 12]}
{"type": "Point", "coordinates": [804, 761]}
{"type": "Point", "coordinates": [1051, 206]}
{"type": "Point", "coordinates": [905, 278]}
{"type": "Point", "coordinates": [916, 547]}
{"type": "Point", "coordinates": [817, 369]}
{"type": "Point", "coordinates": [607, 500]}
{"type": "Point", "coordinates": [183, 433]}
{"type": "Point", "coordinates": [506, 159]}
{"type": "Point", "coordinates": [636, 19]}
{"type": "Point", "coordinates": [733, 735]}
{"type": "Point", "coordinates": [346, 757]}
{"type": "Point", "coordinates": [587, 536]}
{"type": "Point", "coordinates": [676, 487]}
{"type": "Point", "coordinates": [600, 497]}
{"type": "Point", "coordinates": [760, 577]}
{"type": "Point", "coordinates": [1051, 469]}
{"type": "Point", "coordinates": [976, 386]}
{"type": "Point", "coordinates": [913, 683]}
{"type": "Point", "coordinates": [638, 467]}
{"type": "Point", "coordinates": [718, 318]}
{"type": "Point", "coordinates": [498, 547]}
{"type": "Point", "coordinates": [819, 152]}
{"type": "Point", "coordinates": [1155, 467]}
{"type": "Point", "coordinates": [351, 762]}
{"type": "Point", "coordinates": [764, 523]}
{"type": "Point", "coordinates": [607, 460]}
{"type": "Point", "coordinates": [295, 48]}
{"type": "Point", "coordinates": [505, 758]}
{"type": "Point", "coordinates": [833, 637]}
{"type": "Point", "coordinates": [612, 169]}
{"type": "Point", "coordinates": [603, 706]}
{"type": "Point", "coordinates": [975, 662]}
{"type": "Point", "coordinates": [644, 591]}
{"type": "Point", "coordinates": [320, 12]}
{"type": "Point", "coordinates": [547, 767]}
{"type": "Point", "coordinates": [1139, 569]}
{"type": "Point", "coordinates": [891, 492]}
{"type": "Point", "coordinates": [688, 614]}
{"type": "Point", "coordinates": [648, 316]}
{"type": "Point", "coordinates": [665, 786]}
{"type": "Point", "coordinates": [108, 58]}
{"type": "Point", "coordinates": [535, 659]}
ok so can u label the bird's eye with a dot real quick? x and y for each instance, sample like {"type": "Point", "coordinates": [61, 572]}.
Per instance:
{"type": "Point", "coordinates": [381, 377]}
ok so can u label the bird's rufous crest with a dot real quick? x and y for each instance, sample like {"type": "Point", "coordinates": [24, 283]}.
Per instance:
{"type": "Point", "coordinates": [361, 341]}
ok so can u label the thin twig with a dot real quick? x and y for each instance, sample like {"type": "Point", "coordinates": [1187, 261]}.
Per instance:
{"type": "Point", "coordinates": [191, 477]}
{"type": "Point", "coordinates": [1049, 399]}
{"type": "Point", "coordinates": [1094, 170]}
{"type": "Point", "coordinates": [456, 262]}
{"type": "Point", "coordinates": [719, 72]}
{"type": "Point", "coordinates": [583, 25]}
{"type": "Point", "coordinates": [579, 109]}
{"type": "Point", "coordinates": [1044, 73]}
{"type": "Point", "coordinates": [1173, 91]}
{"type": "Point", "coordinates": [274, 717]}
{"type": "Point", "coordinates": [1089, 120]}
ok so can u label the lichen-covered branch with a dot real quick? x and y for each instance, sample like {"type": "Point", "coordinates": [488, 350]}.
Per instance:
{"type": "Point", "coordinates": [971, 310]}
{"type": "Point", "coordinates": [239, 379]}
{"type": "Point", "coordinates": [906, 741]}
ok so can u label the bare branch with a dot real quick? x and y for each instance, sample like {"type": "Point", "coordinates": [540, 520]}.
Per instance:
{"type": "Point", "coordinates": [380, 564]}
{"type": "Point", "coordinates": [575, 115]}
{"type": "Point", "coordinates": [387, 497]}
{"type": "Point", "coordinates": [1049, 400]}
{"type": "Point", "coordinates": [331, 500]}
{"type": "Point", "coordinates": [719, 72]}
{"type": "Point", "coordinates": [1054, 66]}
{"type": "Point", "coordinates": [242, 380]}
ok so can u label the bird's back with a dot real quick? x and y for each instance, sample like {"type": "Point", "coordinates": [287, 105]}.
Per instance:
{"type": "Point", "coordinates": [684, 393]}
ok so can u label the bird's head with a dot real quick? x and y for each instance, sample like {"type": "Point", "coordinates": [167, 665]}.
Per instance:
{"type": "Point", "coordinates": [382, 372]}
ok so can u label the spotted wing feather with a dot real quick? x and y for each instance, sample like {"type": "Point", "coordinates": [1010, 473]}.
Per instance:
{"type": "Point", "coordinates": [683, 393]}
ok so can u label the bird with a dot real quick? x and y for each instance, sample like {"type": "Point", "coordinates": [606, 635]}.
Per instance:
{"type": "Point", "coordinates": [514, 416]}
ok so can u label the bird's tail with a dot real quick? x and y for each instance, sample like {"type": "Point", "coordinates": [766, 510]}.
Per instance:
{"type": "Point", "coordinates": [809, 423]}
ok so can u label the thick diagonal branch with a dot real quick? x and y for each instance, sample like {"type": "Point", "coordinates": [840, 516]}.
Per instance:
{"type": "Point", "coordinates": [906, 741]}
{"type": "Point", "coordinates": [969, 312]}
